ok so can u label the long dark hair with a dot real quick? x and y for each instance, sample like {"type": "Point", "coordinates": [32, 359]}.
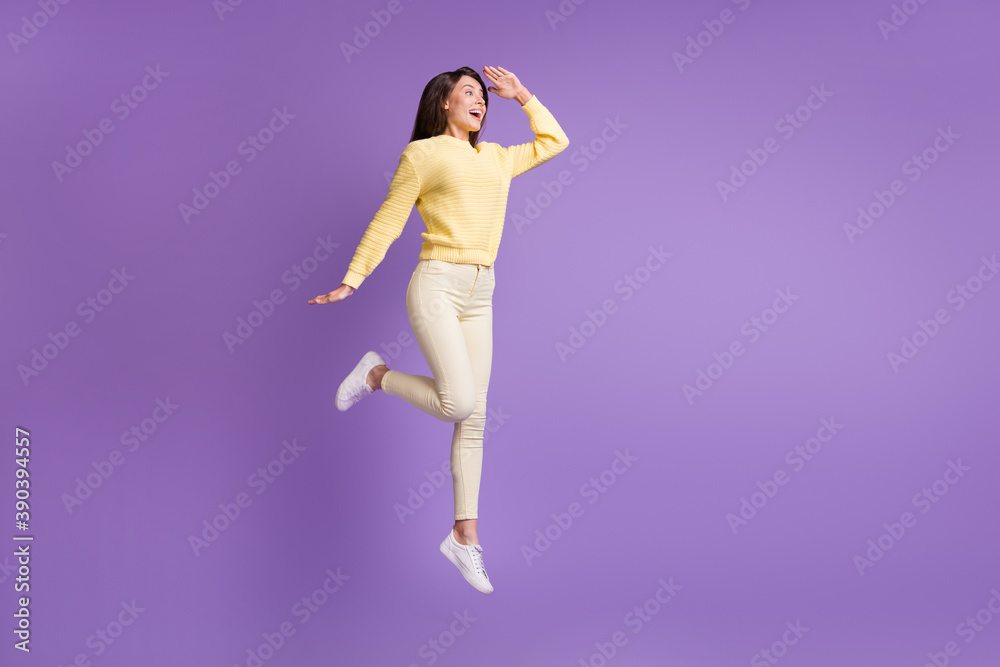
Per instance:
{"type": "Point", "coordinates": [432, 119]}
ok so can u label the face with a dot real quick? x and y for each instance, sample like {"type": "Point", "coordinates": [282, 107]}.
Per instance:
{"type": "Point", "coordinates": [466, 107]}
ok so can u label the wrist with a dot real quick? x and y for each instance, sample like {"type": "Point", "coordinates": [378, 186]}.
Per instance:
{"type": "Point", "coordinates": [522, 96]}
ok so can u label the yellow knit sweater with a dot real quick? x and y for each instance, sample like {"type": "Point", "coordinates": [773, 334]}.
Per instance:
{"type": "Point", "coordinates": [460, 192]}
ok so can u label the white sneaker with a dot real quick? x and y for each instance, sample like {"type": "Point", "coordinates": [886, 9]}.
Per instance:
{"type": "Point", "coordinates": [468, 558]}
{"type": "Point", "coordinates": [355, 386]}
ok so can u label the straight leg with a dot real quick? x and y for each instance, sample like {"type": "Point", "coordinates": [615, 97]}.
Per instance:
{"type": "Point", "coordinates": [467, 438]}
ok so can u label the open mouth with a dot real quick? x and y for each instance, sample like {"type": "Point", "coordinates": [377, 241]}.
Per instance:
{"type": "Point", "coordinates": [477, 113]}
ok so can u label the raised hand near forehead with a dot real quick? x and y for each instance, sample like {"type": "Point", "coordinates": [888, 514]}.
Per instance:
{"type": "Point", "coordinates": [505, 84]}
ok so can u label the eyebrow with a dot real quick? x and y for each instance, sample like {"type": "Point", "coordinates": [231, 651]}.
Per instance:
{"type": "Point", "coordinates": [470, 86]}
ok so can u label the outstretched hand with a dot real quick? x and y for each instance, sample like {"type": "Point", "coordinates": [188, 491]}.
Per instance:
{"type": "Point", "coordinates": [338, 294]}
{"type": "Point", "coordinates": [505, 84]}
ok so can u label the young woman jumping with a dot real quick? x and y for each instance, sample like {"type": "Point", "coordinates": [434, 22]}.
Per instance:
{"type": "Point", "coordinates": [460, 188]}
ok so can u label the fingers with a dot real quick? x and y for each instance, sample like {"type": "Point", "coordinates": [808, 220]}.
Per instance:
{"type": "Point", "coordinates": [322, 298]}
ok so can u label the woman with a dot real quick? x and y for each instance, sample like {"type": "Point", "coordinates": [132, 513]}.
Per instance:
{"type": "Point", "coordinates": [460, 188]}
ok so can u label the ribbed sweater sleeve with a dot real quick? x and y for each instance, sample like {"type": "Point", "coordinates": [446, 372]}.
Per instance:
{"type": "Point", "coordinates": [549, 141]}
{"type": "Point", "coordinates": [387, 224]}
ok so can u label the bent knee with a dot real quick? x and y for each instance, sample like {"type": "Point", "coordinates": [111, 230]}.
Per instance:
{"type": "Point", "coordinates": [459, 408]}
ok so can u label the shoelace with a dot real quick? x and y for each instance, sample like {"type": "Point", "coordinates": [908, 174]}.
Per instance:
{"type": "Point", "coordinates": [362, 391]}
{"type": "Point", "coordinates": [477, 559]}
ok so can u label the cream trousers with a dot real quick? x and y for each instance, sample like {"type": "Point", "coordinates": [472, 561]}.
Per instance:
{"type": "Point", "coordinates": [450, 308]}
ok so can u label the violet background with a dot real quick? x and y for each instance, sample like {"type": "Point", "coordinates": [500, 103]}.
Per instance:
{"type": "Point", "coordinates": [563, 423]}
